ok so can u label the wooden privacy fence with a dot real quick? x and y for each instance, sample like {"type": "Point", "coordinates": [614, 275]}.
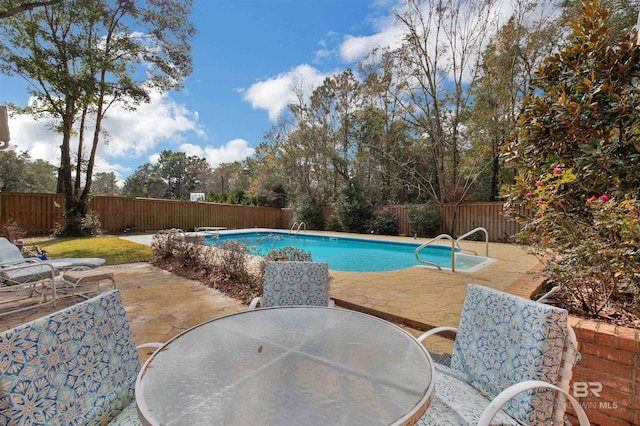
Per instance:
{"type": "Point", "coordinates": [468, 216]}
{"type": "Point", "coordinates": [39, 214]}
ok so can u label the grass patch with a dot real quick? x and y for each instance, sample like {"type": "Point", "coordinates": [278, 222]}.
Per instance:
{"type": "Point", "coordinates": [115, 250]}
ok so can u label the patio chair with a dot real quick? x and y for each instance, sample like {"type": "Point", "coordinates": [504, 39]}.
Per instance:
{"type": "Point", "coordinates": [290, 283]}
{"type": "Point", "coordinates": [31, 275]}
{"type": "Point", "coordinates": [11, 255]}
{"type": "Point", "coordinates": [84, 282]}
{"type": "Point", "coordinates": [512, 362]}
{"type": "Point", "coordinates": [75, 366]}
{"type": "Point", "coordinates": [26, 286]}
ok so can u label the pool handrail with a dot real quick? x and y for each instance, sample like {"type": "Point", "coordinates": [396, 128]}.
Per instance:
{"type": "Point", "coordinates": [453, 252]}
{"type": "Point", "coordinates": [300, 225]}
{"type": "Point", "coordinates": [473, 231]}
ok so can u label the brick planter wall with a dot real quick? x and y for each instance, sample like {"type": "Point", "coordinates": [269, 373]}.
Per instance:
{"type": "Point", "coordinates": [606, 381]}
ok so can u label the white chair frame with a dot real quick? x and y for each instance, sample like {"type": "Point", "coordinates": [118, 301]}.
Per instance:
{"type": "Point", "coordinates": [569, 357]}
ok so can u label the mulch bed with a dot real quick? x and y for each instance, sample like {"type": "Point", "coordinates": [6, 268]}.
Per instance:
{"type": "Point", "coordinates": [236, 289]}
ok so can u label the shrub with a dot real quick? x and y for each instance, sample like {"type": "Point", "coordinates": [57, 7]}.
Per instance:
{"type": "Point", "coordinates": [289, 253]}
{"type": "Point", "coordinates": [90, 224]}
{"type": "Point", "coordinates": [77, 225]}
{"type": "Point", "coordinates": [578, 164]}
{"type": "Point", "coordinates": [425, 220]}
{"type": "Point", "coordinates": [384, 222]}
{"type": "Point", "coordinates": [190, 251]}
{"type": "Point", "coordinates": [353, 208]}
{"type": "Point", "coordinates": [12, 231]}
{"type": "Point", "coordinates": [593, 256]}
{"type": "Point", "coordinates": [308, 211]}
{"type": "Point", "coordinates": [167, 242]}
{"type": "Point", "coordinates": [232, 260]}
{"type": "Point", "coordinates": [333, 224]}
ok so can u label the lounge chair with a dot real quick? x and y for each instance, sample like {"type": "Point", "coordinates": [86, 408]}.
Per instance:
{"type": "Point", "coordinates": [290, 283]}
{"type": "Point", "coordinates": [26, 286]}
{"type": "Point", "coordinates": [75, 366]}
{"type": "Point", "coordinates": [512, 362]}
{"type": "Point", "coordinates": [11, 255]}
{"type": "Point", "coordinates": [29, 282]}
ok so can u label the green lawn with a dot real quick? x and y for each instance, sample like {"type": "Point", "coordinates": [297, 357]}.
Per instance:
{"type": "Point", "coordinates": [113, 249]}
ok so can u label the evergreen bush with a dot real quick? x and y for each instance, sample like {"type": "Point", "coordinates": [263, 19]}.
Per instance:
{"type": "Point", "coordinates": [578, 161]}
{"type": "Point", "coordinates": [384, 222]}
{"type": "Point", "coordinates": [425, 220]}
{"type": "Point", "coordinates": [308, 211]}
{"type": "Point", "coordinates": [353, 208]}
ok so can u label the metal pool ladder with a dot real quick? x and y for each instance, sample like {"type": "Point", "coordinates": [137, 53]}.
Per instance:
{"type": "Point", "coordinates": [295, 228]}
{"type": "Point", "coordinates": [473, 231]}
{"type": "Point", "coordinates": [453, 252]}
{"type": "Point", "coordinates": [454, 244]}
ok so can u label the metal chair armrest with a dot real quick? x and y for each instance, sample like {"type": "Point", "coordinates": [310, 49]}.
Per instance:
{"type": "Point", "coordinates": [150, 345]}
{"type": "Point", "coordinates": [504, 396]}
{"type": "Point", "coordinates": [436, 331]}
{"type": "Point", "coordinates": [29, 265]}
{"type": "Point", "coordinates": [10, 263]}
{"type": "Point", "coordinates": [254, 303]}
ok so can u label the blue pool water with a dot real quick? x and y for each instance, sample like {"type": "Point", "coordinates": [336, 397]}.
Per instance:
{"type": "Point", "coordinates": [350, 254]}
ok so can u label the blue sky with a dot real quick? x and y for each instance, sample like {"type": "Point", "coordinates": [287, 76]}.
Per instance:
{"type": "Point", "coordinates": [247, 56]}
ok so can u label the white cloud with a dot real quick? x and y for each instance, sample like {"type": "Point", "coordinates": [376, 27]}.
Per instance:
{"type": "Point", "coordinates": [35, 137]}
{"type": "Point", "coordinates": [191, 150]}
{"type": "Point", "coordinates": [131, 134]}
{"type": "Point", "coordinates": [276, 93]}
{"type": "Point", "coordinates": [134, 133]}
{"type": "Point", "coordinates": [354, 48]}
{"type": "Point", "coordinates": [234, 150]}
{"type": "Point", "coordinates": [154, 158]}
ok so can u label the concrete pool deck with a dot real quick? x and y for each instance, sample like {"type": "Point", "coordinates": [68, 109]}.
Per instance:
{"type": "Point", "coordinates": [161, 305]}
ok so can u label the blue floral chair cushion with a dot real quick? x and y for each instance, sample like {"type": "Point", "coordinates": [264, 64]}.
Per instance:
{"type": "Point", "coordinates": [446, 408]}
{"type": "Point", "coordinates": [502, 340]}
{"type": "Point", "coordinates": [296, 283]}
{"type": "Point", "coordinates": [77, 366]}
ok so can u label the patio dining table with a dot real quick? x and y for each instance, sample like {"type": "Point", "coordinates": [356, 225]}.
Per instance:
{"type": "Point", "coordinates": [287, 365]}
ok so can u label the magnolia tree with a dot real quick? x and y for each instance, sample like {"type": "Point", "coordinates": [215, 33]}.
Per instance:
{"type": "Point", "coordinates": [577, 157]}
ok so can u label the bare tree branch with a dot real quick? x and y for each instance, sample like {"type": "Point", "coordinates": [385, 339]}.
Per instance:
{"type": "Point", "coordinates": [23, 7]}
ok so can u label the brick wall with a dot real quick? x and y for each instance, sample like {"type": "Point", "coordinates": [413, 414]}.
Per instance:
{"type": "Point", "coordinates": [606, 381]}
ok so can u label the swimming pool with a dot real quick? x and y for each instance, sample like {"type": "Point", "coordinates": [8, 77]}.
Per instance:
{"type": "Point", "coordinates": [351, 254]}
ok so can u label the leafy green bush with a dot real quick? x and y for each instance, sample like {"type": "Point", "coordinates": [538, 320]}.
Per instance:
{"type": "Point", "coordinates": [353, 208]}
{"type": "Point", "coordinates": [425, 220]}
{"type": "Point", "coordinates": [308, 211]}
{"type": "Point", "coordinates": [578, 161]}
{"type": "Point", "coordinates": [593, 257]}
{"type": "Point", "coordinates": [384, 222]}
{"type": "Point", "coordinates": [333, 224]}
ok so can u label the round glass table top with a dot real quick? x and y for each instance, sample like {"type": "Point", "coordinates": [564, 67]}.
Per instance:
{"type": "Point", "coordinates": [293, 365]}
